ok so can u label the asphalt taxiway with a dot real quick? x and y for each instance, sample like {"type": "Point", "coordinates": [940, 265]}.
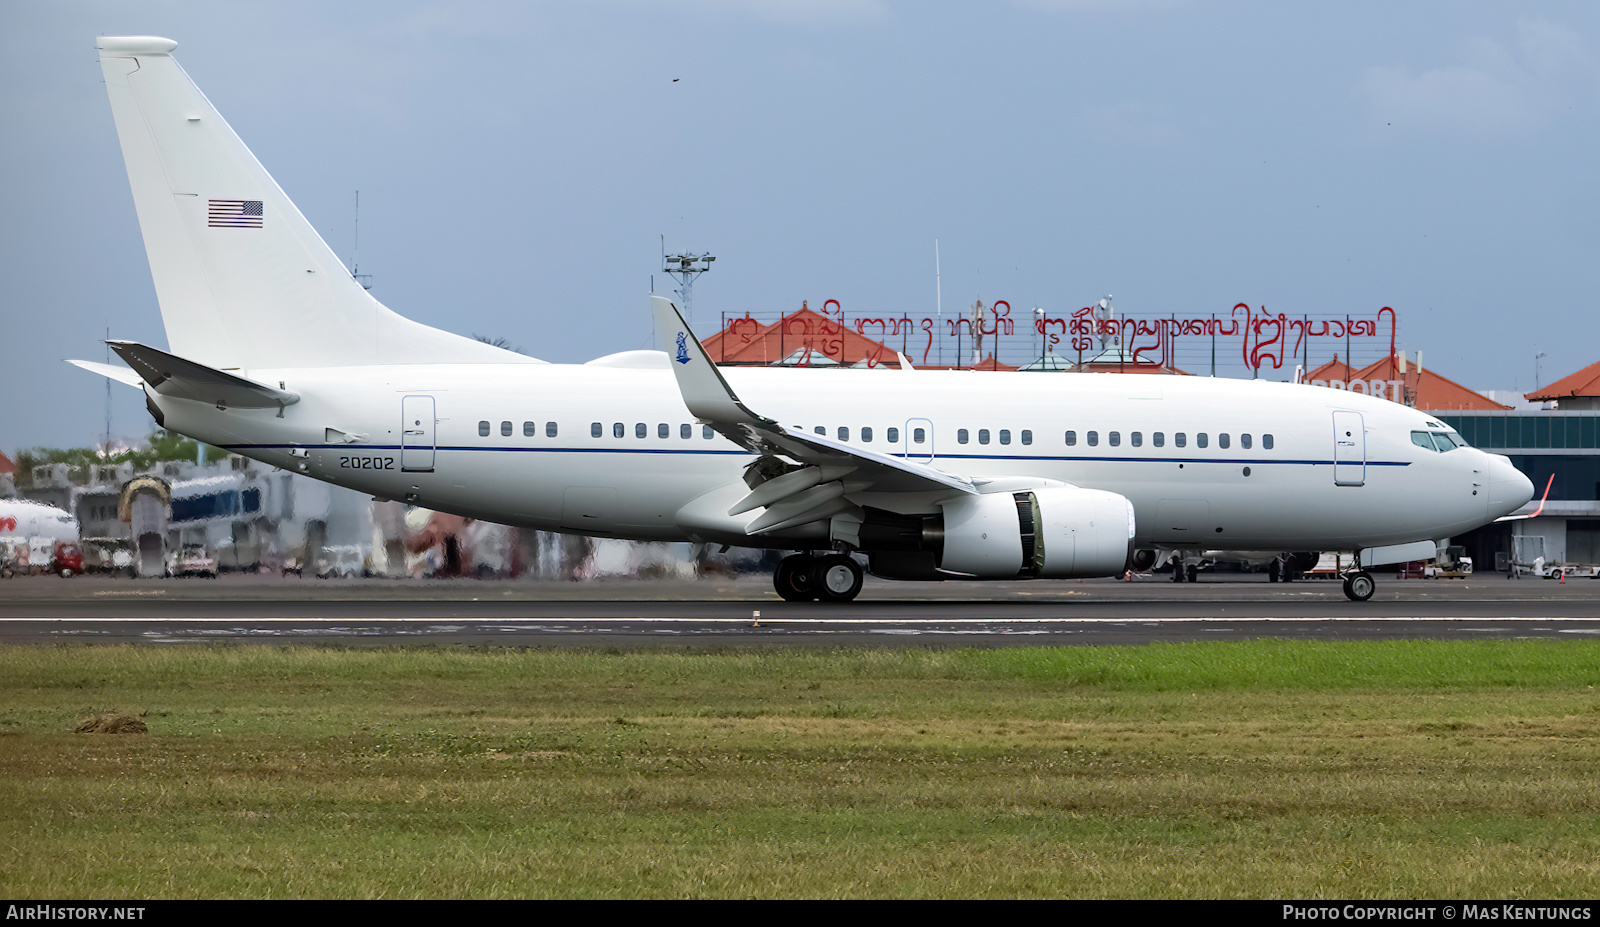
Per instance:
{"type": "Point", "coordinates": [743, 612]}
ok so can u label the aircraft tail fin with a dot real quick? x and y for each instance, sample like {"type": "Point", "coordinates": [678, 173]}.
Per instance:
{"type": "Point", "coordinates": [244, 281]}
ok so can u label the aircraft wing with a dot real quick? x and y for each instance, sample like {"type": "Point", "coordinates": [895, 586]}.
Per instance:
{"type": "Point", "coordinates": [829, 468]}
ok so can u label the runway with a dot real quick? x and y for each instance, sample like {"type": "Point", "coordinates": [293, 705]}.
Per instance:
{"type": "Point", "coordinates": [744, 612]}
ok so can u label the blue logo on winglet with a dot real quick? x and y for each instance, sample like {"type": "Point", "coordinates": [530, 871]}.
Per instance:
{"type": "Point", "coordinates": [683, 348]}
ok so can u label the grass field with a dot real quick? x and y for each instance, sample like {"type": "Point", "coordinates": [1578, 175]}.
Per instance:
{"type": "Point", "coordinates": [1264, 769]}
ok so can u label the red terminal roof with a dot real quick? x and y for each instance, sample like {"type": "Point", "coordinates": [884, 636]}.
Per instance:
{"type": "Point", "coordinates": [1585, 382]}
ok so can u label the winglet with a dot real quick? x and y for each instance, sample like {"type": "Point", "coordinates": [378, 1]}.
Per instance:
{"type": "Point", "coordinates": [708, 396]}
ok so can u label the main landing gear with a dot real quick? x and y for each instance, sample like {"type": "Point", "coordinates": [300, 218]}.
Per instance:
{"type": "Point", "coordinates": [829, 578]}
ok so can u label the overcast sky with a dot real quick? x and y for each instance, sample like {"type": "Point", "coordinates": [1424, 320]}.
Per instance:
{"type": "Point", "coordinates": [519, 163]}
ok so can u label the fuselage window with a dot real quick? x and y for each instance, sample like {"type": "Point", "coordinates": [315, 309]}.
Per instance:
{"type": "Point", "coordinates": [640, 429]}
{"type": "Point", "coordinates": [1027, 436]}
{"type": "Point", "coordinates": [820, 429]}
{"type": "Point", "coordinates": [866, 434]}
{"type": "Point", "coordinates": [983, 436]}
{"type": "Point", "coordinates": [1222, 439]}
{"type": "Point", "coordinates": [706, 432]}
{"type": "Point", "coordinates": [1072, 438]}
{"type": "Point", "coordinates": [528, 429]}
{"type": "Point", "coordinates": [1266, 442]}
{"type": "Point", "coordinates": [844, 433]}
{"type": "Point", "coordinates": [961, 435]}
{"type": "Point", "coordinates": [594, 430]}
{"type": "Point", "coordinates": [663, 430]}
{"type": "Point", "coordinates": [617, 430]}
{"type": "Point", "coordinates": [1137, 439]}
{"type": "Point", "coordinates": [919, 435]}
{"type": "Point", "coordinates": [1115, 439]}
{"type": "Point", "coordinates": [892, 435]}
{"type": "Point", "coordinates": [1159, 439]}
{"type": "Point", "coordinates": [1201, 440]}
{"type": "Point", "coordinates": [483, 429]}
{"type": "Point", "coordinates": [549, 429]}
{"type": "Point", "coordinates": [1005, 436]}
{"type": "Point", "coordinates": [1244, 442]}
{"type": "Point", "coordinates": [505, 429]}
{"type": "Point", "coordinates": [1094, 439]}
{"type": "Point", "coordinates": [685, 431]}
{"type": "Point", "coordinates": [1180, 439]}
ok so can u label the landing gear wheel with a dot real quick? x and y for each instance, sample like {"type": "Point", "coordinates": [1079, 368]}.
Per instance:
{"type": "Point", "coordinates": [793, 578]}
{"type": "Point", "coordinates": [836, 578]}
{"type": "Point", "coordinates": [1192, 572]}
{"type": "Point", "coordinates": [1359, 586]}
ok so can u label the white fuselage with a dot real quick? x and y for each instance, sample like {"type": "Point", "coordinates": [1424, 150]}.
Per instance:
{"type": "Point", "coordinates": [1302, 493]}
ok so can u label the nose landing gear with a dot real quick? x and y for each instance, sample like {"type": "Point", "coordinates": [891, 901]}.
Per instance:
{"type": "Point", "coordinates": [1359, 586]}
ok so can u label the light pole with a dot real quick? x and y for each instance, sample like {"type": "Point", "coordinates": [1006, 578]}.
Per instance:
{"type": "Point", "coordinates": [1038, 325]}
{"type": "Point", "coordinates": [685, 267]}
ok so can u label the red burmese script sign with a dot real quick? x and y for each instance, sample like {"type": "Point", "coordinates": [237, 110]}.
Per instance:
{"type": "Point", "coordinates": [1264, 339]}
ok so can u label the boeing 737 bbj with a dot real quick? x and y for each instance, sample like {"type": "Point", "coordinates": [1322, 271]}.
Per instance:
{"type": "Point", "coordinates": [277, 353]}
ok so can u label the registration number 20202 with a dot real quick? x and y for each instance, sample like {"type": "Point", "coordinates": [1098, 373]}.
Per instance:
{"type": "Point", "coordinates": [366, 463]}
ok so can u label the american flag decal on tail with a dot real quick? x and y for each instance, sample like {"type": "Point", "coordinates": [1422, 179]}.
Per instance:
{"type": "Point", "coordinates": [234, 214]}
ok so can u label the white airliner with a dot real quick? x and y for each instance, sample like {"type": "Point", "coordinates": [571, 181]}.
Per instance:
{"type": "Point", "coordinates": [278, 354]}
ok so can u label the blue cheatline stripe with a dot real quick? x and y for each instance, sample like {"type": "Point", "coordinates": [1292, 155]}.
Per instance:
{"type": "Point", "coordinates": [1246, 461]}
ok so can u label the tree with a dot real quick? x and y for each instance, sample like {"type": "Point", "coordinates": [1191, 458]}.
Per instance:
{"type": "Point", "coordinates": [161, 445]}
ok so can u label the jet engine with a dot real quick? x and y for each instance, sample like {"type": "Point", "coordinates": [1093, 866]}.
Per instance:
{"type": "Point", "coordinates": [1056, 532]}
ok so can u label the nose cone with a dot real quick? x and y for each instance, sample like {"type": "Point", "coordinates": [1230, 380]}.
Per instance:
{"type": "Point", "coordinates": [1509, 490]}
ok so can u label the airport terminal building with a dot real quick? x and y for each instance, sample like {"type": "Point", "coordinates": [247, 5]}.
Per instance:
{"type": "Point", "coordinates": [1558, 447]}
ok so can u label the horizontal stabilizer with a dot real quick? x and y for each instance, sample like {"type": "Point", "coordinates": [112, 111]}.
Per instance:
{"type": "Point", "coordinates": [170, 375]}
{"type": "Point", "coordinates": [110, 372]}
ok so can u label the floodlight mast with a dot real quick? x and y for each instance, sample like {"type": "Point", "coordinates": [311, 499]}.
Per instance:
{"type": "Point", "coordinates": [684, 268]}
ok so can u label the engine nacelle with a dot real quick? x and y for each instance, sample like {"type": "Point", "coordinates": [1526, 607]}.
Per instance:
{"type": "Point", "coordinates": [1059, 532]}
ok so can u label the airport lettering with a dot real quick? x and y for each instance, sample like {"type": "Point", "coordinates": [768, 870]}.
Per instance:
{"type": "Point", "coordinates": [1265, 339]}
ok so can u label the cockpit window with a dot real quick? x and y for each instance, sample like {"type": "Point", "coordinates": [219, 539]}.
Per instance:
{"type": "Point", "coordinates": [1441, 441]}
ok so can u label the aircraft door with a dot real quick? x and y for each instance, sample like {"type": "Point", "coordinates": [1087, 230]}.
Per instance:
{"type": "Point", "coordinates": [919, 440]}
{"type": "Point", "coordinates": [416, 433]}
{"type": "Point", "coordinates": [1349, 449]}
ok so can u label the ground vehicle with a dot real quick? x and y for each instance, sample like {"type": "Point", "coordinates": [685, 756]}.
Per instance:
{"type": "Point", "coordinates": [193, 560]}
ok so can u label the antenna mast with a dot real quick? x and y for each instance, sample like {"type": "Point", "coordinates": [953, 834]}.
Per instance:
{"type": "Point", "coordinates": [364, 279]}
